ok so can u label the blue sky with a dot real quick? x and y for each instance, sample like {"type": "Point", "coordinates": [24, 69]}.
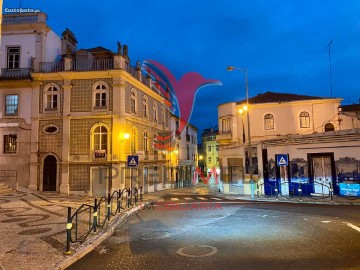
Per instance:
{"type": "Point", "coordinates": [282, 44]}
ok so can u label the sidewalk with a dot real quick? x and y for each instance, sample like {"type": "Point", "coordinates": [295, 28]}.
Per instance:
{"type": "Point", "coordinates": [33, 225]}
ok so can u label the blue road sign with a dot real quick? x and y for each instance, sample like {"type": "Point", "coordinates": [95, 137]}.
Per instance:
{"type": "Point", "coordinates": [132, 161]}
{"type": "Point", "coordinates": [282, 160]}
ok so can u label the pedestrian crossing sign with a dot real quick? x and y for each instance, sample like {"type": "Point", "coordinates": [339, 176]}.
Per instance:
{"type": "Point", "coordinates": [132, 161]}
{"type": "Point", "coordinates": [282, 160]}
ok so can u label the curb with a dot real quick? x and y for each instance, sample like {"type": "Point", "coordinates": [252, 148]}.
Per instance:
{"type": "Point", "coordinates": [98, 239]}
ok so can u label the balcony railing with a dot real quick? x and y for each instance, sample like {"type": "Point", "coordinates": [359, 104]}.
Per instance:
{"type": "Point", "coordinates": [19, 73]}
{"type": "Point", "coordinates": [100, 64]}
{"type": "Point", "coordinates": [47, 67]}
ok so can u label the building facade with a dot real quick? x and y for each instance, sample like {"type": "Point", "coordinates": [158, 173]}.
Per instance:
{"type": "Point", "coordinates": [75, 116]}
{"type": "Point", "coordinates": [26, 41]}
{"type": "Point", "coordinates": [315, 135]}
{"type": "Point", "coordinates": [210, 149]}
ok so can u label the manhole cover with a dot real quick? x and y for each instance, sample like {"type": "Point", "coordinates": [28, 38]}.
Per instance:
{"type": "Point", "coordinates": [154, 235]}
{"type": "Point", "coordinates": [197, 251]}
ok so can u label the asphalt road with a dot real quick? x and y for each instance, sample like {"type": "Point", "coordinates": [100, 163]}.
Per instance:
{"type": "Point", "coordinates": [204, 232]}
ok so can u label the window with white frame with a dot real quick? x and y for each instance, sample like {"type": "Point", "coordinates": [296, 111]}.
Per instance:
{"type": "Point", "coordinates": [304, 120]}
{"type": "Point", "coordinates": [10, 144]}
{"type": "Point", "coordinates": [146, 106]}
{"type": "Point", "coordinates": [146, 141]}
{"type": "Point", "coordinates": [13, 57]}
{"type": "Point", "coordinates": [52, 97]}
{"type": "Point", "coordinates": [11, 105]}
{"type": "Point", "coordinates": [133, 101]}
{"type": "Point", "coordinates": [155, 109]}
{"type": "Point", "coordinates": [101, 94]}
{"type": "Point", "coordinates": [225, 123]}
{"type": "Point", "coordinates": [269, 121]}
{"type": "Point", "coordinates": [100, 138]}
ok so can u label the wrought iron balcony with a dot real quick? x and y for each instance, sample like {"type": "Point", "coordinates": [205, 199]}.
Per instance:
{"type": "Point", "coordinates": [18, 73]}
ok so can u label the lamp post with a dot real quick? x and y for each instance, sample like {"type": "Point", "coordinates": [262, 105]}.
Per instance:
{"type": "Point", "coordinates": [242, 112]}
{"type": "Point", "coordinates": [231, 68]}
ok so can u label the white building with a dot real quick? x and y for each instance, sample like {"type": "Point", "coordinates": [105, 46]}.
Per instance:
{"type": "Point", "coordinates": [26, 40]}
{"type": "Point", "coordinates": [313, 133]}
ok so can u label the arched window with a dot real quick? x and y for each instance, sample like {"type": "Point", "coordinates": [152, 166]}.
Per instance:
{"type": "Point", "coordinates": [329, 127]}
{"type": "Point", "coordinates": [304, 120]}
{"type": "Point", "coordinates": [100, 95]}
{"type": "Point", "coordinates": [133, 101]}
{"type": "Point", "coordinates": [52, 97]}
{"type": "Point", "coordinates": [100, 138]}
{"type": "Point", "coordinates": [155, 109]}
{"type": "Point", "coordinates": [146, 107]}
{"type": "Point", "coordinates": [146, 141]}
{"type": "Point", "coordinates": [134, 140]}
{"type": "Point", "coordinates": [268, 122]}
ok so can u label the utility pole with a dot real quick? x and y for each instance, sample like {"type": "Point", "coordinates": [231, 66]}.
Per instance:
{"type": "Point", "coordinates": [329, 47]}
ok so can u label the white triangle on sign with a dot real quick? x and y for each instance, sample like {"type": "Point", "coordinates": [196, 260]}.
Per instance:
{"type": "Point", "coordinates": [132, 162]}
{"type": "Point", "coordinates": [282, 161]}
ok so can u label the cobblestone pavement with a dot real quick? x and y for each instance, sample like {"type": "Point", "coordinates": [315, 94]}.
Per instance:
{"type": "Point", "coordinates": [33, 224]}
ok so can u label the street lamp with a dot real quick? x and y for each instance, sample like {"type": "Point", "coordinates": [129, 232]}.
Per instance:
{"type": "Point", "coordinates": [231, 68]}
{"type": "Point", "coordinates": [242, 111]}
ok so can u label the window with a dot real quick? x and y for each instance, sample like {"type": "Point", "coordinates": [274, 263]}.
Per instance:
{"type": "Point", "coordinates": [329, 127]}
{"type": "Point", "coordinates": [155, 112]}
{"type": "Point", "coordinates": [146, 141]}
{"type": "Point", "coordinates": [209, 159]}
{"type": "Point", "coordinates": [100, 138]}
{"type": "Point", "coordinates": [52, 98]}
{"type": "Point", "coordinates": [225, 125]}
{"type": "Point", "coordinates": [134, 141]}
{"type": "Point", "coordinates": [100, 95]}
{"type": "Point", "coordinates": [304, 120]}
{"type": "Point", "coordinates": [11, 105]}
{"type": "Point", "coordinates": [10, 144]}
{"type": "Point", "coordinates": [13, 57]}
{"type": "Point", "coordinates": [146, 107]}
{"type": "Point", "coordinates": [163, 115]}
{"type": "Point", "coordinates": [187, 152]}
{"type": "Point", "coordinates": [133, 101]}
{"type": "Point", "coordinates": [268, 121]}
{"type": "Point", "coordinates": [209, 148]}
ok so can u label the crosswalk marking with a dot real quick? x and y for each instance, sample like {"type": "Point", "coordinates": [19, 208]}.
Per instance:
{"type": "Point", "coordinates": [217, 199]}
{"type": "Point", "coordinates": [174, 199]}
{"type": "Point", "coordinates": [188, 198]}
{"type": "Point", "coordinates": [201, 198]}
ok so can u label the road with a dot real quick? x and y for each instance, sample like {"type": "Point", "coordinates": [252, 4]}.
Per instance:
{"type": "Point", "coordinates": [203, 232]}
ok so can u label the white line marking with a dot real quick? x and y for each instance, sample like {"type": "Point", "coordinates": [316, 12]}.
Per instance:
{"type": "Point", "coordinates": [325, 221]}
{"type": "Point", "coordinates": [352, 226]}
{"type": "Point", "coordinates": [218, 199]}
{"type": "Point", "coordinates": [264, 215]}
{"type": "Point", "coordinates": [201, 198]}
{"type": "Point", "coordinates": [188, 198]}
{"type": "Point", "coordinates": [174, 199]}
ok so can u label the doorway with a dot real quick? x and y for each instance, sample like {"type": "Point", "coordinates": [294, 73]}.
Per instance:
{"type": "Point", "coordinates": [322, 171]}
{"type": "Point", "coordinates": [49, 173]}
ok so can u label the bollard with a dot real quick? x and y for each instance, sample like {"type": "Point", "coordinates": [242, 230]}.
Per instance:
{"type": "Point", "coordinates": [108, 207]}
{"type": "Point", "coordinates": [277, 193]}
{"type": "Point", "coordinates": [95, 214]}
{"type": "Point", "coordinates": [300, 194]}
{"type": "Point", "coordinates": [141, 196]}
{"type": "Point", "coordinates": [68, 232]}
{"type": "Point", "coordinates": [128, 198]}
{"type": "Point", "coordinates": [331, 191]}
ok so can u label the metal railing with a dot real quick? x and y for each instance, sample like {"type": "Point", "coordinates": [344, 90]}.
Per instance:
{"type": "Point", "coordinates": [87, 218]}
{"type": "Point", "coordinates": [18, 73]}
